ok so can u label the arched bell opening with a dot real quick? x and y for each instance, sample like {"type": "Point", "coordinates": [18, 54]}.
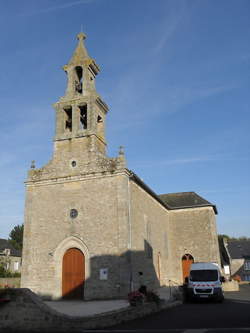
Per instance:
{"type": "Point", "coordinates": [79, 79]}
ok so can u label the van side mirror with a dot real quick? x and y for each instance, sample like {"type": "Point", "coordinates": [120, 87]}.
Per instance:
{"type": "Point", "coordinates": [222, 279]}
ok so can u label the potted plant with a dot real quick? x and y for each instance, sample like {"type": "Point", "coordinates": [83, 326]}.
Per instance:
{"type": "Point", "coordinates": [135, 298]}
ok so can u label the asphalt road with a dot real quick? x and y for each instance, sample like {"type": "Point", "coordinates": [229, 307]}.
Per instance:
{"type": "Point", "coordinates": [230, 316]}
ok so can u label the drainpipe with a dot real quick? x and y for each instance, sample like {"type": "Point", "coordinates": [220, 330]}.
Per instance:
{"type": "Point", "coordinates": [131, 284]}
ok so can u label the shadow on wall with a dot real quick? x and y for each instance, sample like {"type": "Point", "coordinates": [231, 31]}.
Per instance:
{"type": "Point", "coordinates": [111, 276]}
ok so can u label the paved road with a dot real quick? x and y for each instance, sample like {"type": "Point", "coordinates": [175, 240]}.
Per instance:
{"type": "Point", "coordinates": [230, 316]}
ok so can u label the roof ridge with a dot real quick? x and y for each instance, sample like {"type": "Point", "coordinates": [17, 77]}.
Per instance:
{"type": "Point", "coordinates": [178, 193]}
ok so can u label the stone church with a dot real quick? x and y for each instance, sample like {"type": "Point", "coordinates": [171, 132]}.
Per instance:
{"type": "Point", "coordinates": [93, 229]}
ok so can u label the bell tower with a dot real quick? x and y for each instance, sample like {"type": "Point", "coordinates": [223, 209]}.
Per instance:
{"type": "Point", "coordinates": [79, 141]}
{"type": "Point", "coordinates": [81, 113]}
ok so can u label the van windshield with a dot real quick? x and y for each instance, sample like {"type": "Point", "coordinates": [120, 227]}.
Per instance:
{"type": "Point", "coordinates": [204, 275]}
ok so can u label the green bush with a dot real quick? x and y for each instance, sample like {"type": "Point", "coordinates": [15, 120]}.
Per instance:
{"type": "Point", "coordinates": [151, 296]}
{"type": "Point", "coordinates": [4, 273]}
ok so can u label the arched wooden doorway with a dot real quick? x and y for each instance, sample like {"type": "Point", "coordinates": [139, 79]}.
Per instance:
{"type": "Point", "coordinates": [187, 260]}
{"type": "Point", "coordinates": [73, 274]}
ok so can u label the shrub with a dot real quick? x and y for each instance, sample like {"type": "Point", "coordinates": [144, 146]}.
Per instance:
{"type": "Point", "coordinates": [237, 278]}
{"type": "Point", "coordinates": [4, 273]}
{"type": "Point", "coordinates": [143, 290]}
{"type": "Point", "coordinates": [151, 296]}
{"type": "Point", "coordinates": [135, 298]}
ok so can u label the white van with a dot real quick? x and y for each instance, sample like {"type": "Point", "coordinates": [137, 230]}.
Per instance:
{"type": "Point", "coordinates": [204, 282]}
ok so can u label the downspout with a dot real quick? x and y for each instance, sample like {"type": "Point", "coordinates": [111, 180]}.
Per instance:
{"type": "Point", "coordinates": [225, 243]}
{"type": "Point", "coordinates": [131, 284]}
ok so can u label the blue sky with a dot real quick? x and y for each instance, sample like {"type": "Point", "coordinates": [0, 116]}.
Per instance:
{"type": "Point", "coordinates": [175, 75]}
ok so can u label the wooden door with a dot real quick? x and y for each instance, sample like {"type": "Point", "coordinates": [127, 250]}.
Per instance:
{"type": "Point", "coordinates": [187, 260]}
{"type": "Point", "coordinates": [73, 274]}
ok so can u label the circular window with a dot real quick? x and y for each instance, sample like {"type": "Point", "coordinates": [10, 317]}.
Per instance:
{"type": "Point", "coordinates": [73, 163]}
{"type": "Point", "coordinates": [73, 213]}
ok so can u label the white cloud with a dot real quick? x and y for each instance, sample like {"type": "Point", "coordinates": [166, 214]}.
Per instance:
{"type": "Point", "coordinates": [177, 161]}
{"type": "Point", "coordinates": [189, 160]}
{"type": "Point", "coordinates": [170, 25]}
{"type": "Point", "coordinates": [54, 8]}
{"type": "Point", "coordinates": [226, 190]}
{"type": "Point", "coordinates": [178, 97]}
{"type": "Point", "coordinates": [174, 97]}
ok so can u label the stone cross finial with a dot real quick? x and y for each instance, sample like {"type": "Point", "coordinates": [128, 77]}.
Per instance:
{"type": "Point", "coordinates": [121, 150]}
{"type": "Point", "coordinates": [81, 36]}
{"type": "Point", "coordinates": [33, 166]}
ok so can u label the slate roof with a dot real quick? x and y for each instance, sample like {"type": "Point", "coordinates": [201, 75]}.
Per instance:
{"type": "Point", "coordinates": [5, 244]}
{"type": "Point", "coordinates": [239, 249]}
{"type": "Point", "coordinates": [174, 200]}
{"type": "Point", "coordinates": [182, 200]}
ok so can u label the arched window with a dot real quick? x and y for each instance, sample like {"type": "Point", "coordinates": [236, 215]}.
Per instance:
{"type": "Point", "coordinates": [188, 257]}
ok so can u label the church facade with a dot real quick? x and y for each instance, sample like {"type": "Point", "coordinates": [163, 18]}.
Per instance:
{"type": "Point", "coordinates": [93, 229]}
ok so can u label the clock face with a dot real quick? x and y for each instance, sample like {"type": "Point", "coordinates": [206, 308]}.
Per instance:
{"type": "Point", "coordinates": [73, 213]}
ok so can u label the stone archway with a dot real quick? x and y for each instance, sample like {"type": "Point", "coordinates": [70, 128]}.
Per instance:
{"type": "Point", "coordinates": [73, 274]}
{"type": "Point", "coordinates": [187, 260]}
{"type": "Point", "coordinates": [58, 254]}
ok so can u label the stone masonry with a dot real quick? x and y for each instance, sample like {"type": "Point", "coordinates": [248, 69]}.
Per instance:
{"type": "Point", "coordinates": [84, 200]}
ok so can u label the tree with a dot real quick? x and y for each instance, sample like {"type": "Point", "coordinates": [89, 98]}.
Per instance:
{"type": "Point", "coordinates": [16, 237]}
{"type": "Point", "coordinates": [5, 273]}
{"type": "Point", "coordinates": [242, 238]}
{"type": "Point", "coordinates": [2, 270]}
{"type": "Point", "coordinates": [222, 236]}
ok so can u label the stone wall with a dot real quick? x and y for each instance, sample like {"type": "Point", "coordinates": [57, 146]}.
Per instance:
{"type": "Point", "coordinates": [11, 282]}
{"type": "Point", "coordinates": [236, 265]}
{"type": "Point", "coordinates": [119, 227]}
{"type": "Point", "coordinates": [81, 151]}
{"type": "Point", "coordinates": [100, 231]}
{"type": "Point", "coordinates": [25, 312]}
{"type": "Point", "coordinates": [192, 231]}
{"type": "Point", "coordinates": [150, 233]}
